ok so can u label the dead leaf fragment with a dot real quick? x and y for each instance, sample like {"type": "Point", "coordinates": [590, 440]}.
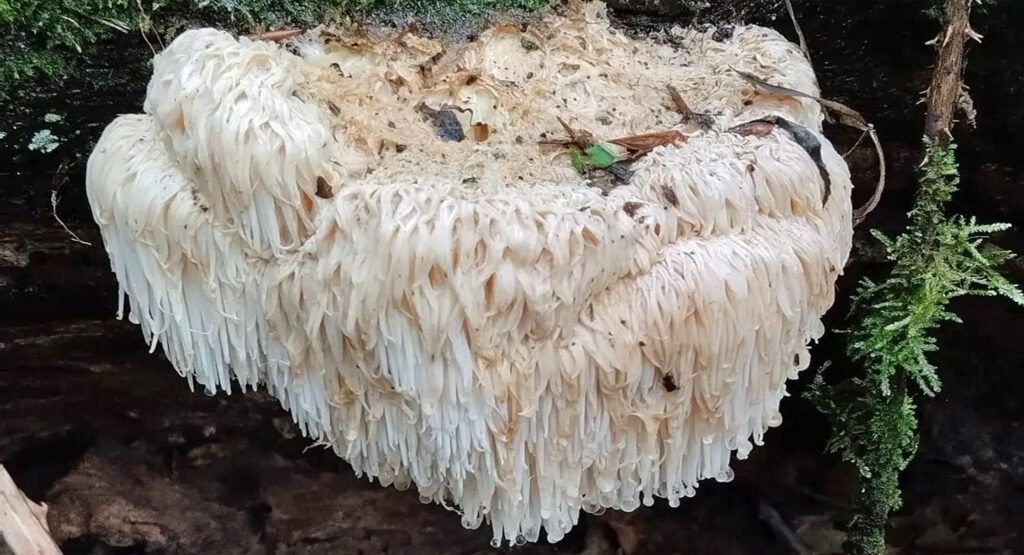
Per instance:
{"type": "Point", "coordinates": [638, 145]}
{"type": "Point", "coordinates": [323, 189]}
{"type": "Point", "coordinates": [481, 132]}
{"type": "Point", "coordinates": [756, 128]}
{"type": "Point", "coordinates": [703, 121]}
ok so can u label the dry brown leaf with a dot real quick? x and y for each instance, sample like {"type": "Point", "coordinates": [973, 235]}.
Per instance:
{"type": "Point", "coordinates": [846, 115]}
{"type": "Point", "coordinates": [642, 144]}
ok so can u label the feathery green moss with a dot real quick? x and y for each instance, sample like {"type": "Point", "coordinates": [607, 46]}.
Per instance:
{"type": "Point", "coordinates": [872, 415]}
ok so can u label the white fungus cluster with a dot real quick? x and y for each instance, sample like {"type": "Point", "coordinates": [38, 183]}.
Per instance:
{"type": "Point", "coordinates": [473, 318]}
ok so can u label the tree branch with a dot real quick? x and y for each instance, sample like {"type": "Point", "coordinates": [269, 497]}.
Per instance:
{"type": "Point", "coordinates": [944, 91]}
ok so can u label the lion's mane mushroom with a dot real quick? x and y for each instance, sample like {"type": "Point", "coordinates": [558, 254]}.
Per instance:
{"type": "Point", "coordinates": [470, 316]}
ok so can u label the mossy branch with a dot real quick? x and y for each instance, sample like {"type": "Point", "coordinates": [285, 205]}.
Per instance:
{"type": "Point", "coordinates": [938, 258]}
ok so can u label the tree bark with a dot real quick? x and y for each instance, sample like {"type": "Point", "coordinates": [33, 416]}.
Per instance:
{"type": "Point", "coordinates": [944, 91]}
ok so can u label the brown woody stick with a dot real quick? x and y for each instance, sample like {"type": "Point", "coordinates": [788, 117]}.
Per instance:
{"type": "Point", "coordinates": [944, 91]}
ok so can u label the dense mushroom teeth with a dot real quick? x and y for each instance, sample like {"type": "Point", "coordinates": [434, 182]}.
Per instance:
{"type": "Point", "coordinates": [470, 317]}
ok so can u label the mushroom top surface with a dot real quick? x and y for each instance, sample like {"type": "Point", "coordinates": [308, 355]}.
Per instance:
{"type": "Point", "coordinates": [333, 111]}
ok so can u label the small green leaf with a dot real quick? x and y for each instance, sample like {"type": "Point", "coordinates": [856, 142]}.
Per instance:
{"type": "Point", "coordinates": [600, 156]}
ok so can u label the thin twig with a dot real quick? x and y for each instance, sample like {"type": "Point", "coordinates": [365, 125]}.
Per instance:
{"type": "Point", "coordinates": [142, 28]}
{"type": "Point", "coordinates": [799, 33]}
{"type": "Point", "coordinates": [862, 212]}
{"type": "Point", "coordinates": [568, 130]}
{"type": "Point", "coordinates": [578, 138]}
{"type": "Point", "coordinates": [59, 181]}
{"type": "Point", "coordinates": [74, 237]}
{"type": "Point", "coordinates": [856, 144]}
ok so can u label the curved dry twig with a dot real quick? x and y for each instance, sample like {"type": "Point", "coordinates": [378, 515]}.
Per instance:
{"type": "Point", "coordinates": [59, 179]}
{"type": "Point", "coordinates": [860, 213]}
